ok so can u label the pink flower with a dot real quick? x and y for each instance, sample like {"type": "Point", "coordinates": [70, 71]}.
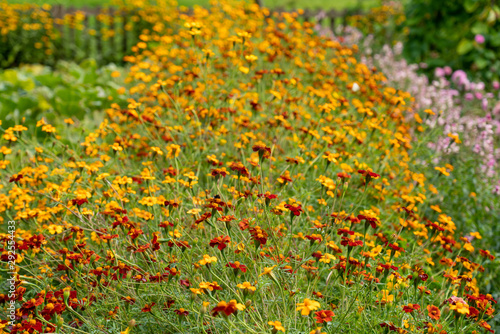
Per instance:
{"type": "Point", "coordinates": [479, 39]}
{"type": "Point", "coordinates": [439, 72]}
{"type": "Point", "coordinates": [496, 85]}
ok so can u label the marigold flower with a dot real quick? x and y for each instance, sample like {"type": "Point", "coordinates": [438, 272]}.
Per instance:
{"type": "Point", "coordinates": [461, 308]}
{"type": "Point", "coordinates": [277, 326]}
{"type": "Point", "coordinates": [207, 259]}
{"type": "Point", "coordinates": [434, 312]}
{"type": "Point", "coordinates": [267, 270]}
{"type": "Point", "coordinates": [307, 306]}
{"type": "Point", "coordinates": [246, 286]}
{"type": "Point", "coordinates": [324, 316]}
{"type": "Point", "coordinates": [221, 242]}
{"type": "Point", "coordinates": [228, 308]}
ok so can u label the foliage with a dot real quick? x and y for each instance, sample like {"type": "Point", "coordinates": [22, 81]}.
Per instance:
{"type": "Point", "coordinates": [35, 91]}
{"type": "Point", "coordinates": [460, 34]}
{"type": "Point", "coordinates": [259, 178]}
{"type": "Point", "coordinates": [382, 22]}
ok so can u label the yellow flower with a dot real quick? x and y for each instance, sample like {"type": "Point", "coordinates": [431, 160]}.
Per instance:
{"type": "Point", "coordinates": [476, 235]}
{"type": "Point", "coordinates": [207, 259]}
{"type": "Point", "coordinates": [460, 308]}
{"type": "Point", "coordinates": [317, 331]}
{"type": "Point", "coordinates": [9, 136]}
{"type": "Point", "coordinates": [157, 150]}
{"type": "Point", "coordinates": [436, 208]}
{"type": "Point", "coordinates": [386, 297]}
{"type": "Point", "coordinates": [148, 201]}
{"type": "Point", "coordinates": [55, 229]}
{"type": "Point", "coordinates": [455, 138]}
{"type": "Point", "coordinates": [48, 128]}
{"type": "Point", "coordinates": [173, 151]}
{"type": "Point", "coordinates": [251, 58]}
{"type": "Point", "coordinates": [468, 246]}
{"type": "Point", "coordinates": [442, 170]}
{"type": "Point", "coordinates": [278, 326]}
{"type": "Point", "coordinates": [5, 150]}
{"type": "Point", "coordinates": [117, 147]}
{"type": "Point", "coordinates": [194, 211]}
{"type": "Point", "coordinates": [307, 306]}
{"type": "Point", "coordinates": [267, 270]}
{"type": "Point", "coordinates": [102, 176]}
{"type": "Point", "coordinates": [246, 286]}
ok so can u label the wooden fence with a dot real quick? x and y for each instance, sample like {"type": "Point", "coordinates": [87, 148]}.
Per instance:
{"type": "Point", "coordinates": [108, 34]}
{"type": "Point", "coordinates": [105, 34]}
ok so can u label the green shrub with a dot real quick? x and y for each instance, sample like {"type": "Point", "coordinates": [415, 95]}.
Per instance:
{"type": "Point", "coordinates": [462, 34]}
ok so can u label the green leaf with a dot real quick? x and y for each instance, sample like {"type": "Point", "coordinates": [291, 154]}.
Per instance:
{"type": "Point", "coordinates": [464, 46]}
{"type": "Point", "coordinates": [471, 5]}
{"type": "Point", "coordinates": [479, 28]}
{"type": "Point", "coordinates": [481, 63]}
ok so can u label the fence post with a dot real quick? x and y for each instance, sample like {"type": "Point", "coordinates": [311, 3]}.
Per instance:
{"type": "Point", "coordinates": [332, 15]}
{"type": "Point", "coordinates": [124, 16]}
{"type": "Point", "coordinates": [98, 36]}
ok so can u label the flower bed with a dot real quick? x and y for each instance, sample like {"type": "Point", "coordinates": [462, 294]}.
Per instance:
{"type": "Point", "coordinates": [258, 179]}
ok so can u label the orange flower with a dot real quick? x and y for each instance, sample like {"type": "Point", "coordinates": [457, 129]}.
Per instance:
{"type": "Point", "coordinates": [228, 308]}
{"type": "Point", "coordinates": [434, 312]}
{"type": "Point", "coordinates": [323, 316]}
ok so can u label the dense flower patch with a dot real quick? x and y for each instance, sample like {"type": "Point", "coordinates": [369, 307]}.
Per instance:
{"type": "Point", "coordinates": [259, 179]}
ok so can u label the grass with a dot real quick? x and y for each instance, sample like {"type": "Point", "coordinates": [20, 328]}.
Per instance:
{"type": "Point", "coordinates": [314, 4]}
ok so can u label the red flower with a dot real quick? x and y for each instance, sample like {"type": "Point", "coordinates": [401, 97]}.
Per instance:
{"type": "Point", "coordinates": [239, 168]}
{"type": "Point", "coordinates": [411, 307]}
{"type": "Point", "coordinates": [203, 217]}
{"type": "Point", "coordinates": [434, 312]}
{"type": "Point", "coordinates": [184, 282]}
{"type": "Point", "coordinates": [368, 174]}
{"type": "Point", "coordinates": [268, 196]}
{"type": "Point", "coordinates": [181, 312]}
{"type": "Point", "coordinates": [262, 149]}
{"type": "Point", "coordinates": [227, 308]}
{"type": "Point", "coordinates": [147, 307]}
{"type": "Point", "coordinates": [243, 224]}
{"type": "Point", "coordinates": [343, 175]}
{"type": "Point", "coordinates": [219, 172]}
{"type": "Point", "coordinates": [259, 235]}
{"type": "Point", "coordinates": [351, 243]}
{"type": "Point", "coordinates": [226, 219]}
{"type": "Point", "coordinates": [166, 224]}
{"type": "Point", "coordinates": [369, 220]}
{"type": "Point", "coordinates": [486, 253]}
{"type": "Point", "coordinates": [396, 248]}
{"type": "Point", "coordinates": [236, 265]}
{"type": "Point", "coordinates": [295, 209]}
{"type": "Point", "coordinates": [155, 243]}
{"type": "Point", "coordinates": [16, 177]}
{"type": "Point", "coordinates": [323, 316]}
{"type": "Point", "coordinates": [221, 242]}
{"type": "Point", "coordinates": [344, 232]}
{"type": "Point", "coordinates": [78, 202]}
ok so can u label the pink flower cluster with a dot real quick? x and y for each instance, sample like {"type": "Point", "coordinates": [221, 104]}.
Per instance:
{"type": "Point", "coordinates": [464, 108]}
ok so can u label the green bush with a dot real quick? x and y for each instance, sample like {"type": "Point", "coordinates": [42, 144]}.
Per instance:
{"type": "Point", "coordinates": [462, 34]}
{"type": "Point", "coordinates": [70, 90]}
